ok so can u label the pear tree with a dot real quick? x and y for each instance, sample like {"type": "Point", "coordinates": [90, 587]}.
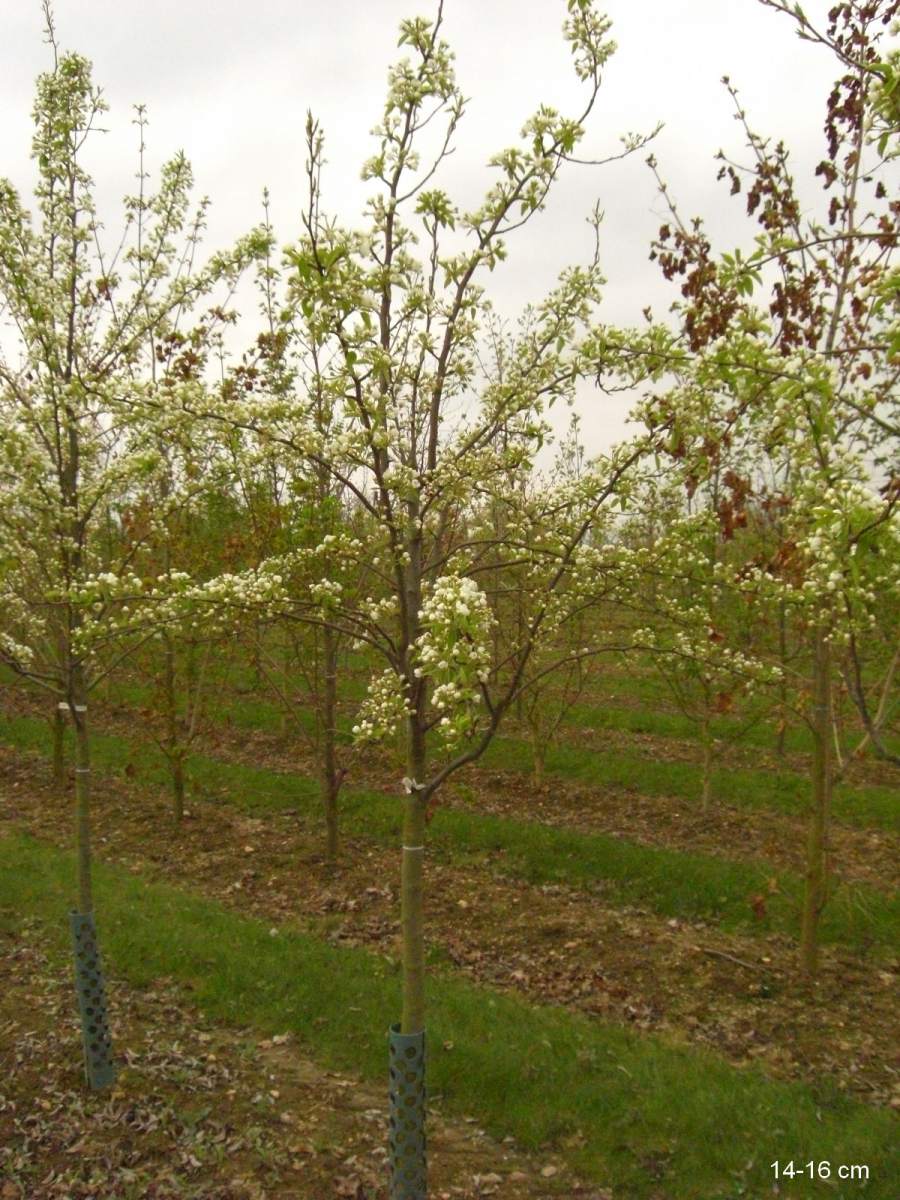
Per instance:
{"type": "Point", "coordinates": [85, 322]}
{"type": "Point", "coordinates": [417, 438]}
{"type": "Point", "coordinates": [798, 335]}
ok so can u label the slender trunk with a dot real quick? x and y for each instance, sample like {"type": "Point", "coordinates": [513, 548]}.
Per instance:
{"type": "Point", "coordinates": [816, 892]}
{"type": "Point", "coordinates": [257, 657]}
{"type": "Point", "coordinates": [174, 754]}
{"type": "Point", "coordinates": [539, 756]}
{"type": "Point", "coordinates": [331, 782]}
{"type": "Point", "coordinates": [59, 750]}
{"type": "Point", "coordinates": [191, 673]}
{"type": "Point", "coordinates": [782, 686]}
{"type": "Point", "coordinates": [330, 790]}
{"type": "Point", "coordinates": [284, 716]}
{"type": "Point", "coordinates": [178, 787]}
{"type": "Point", "coordinates": [99, 1068]}
{"type": "Point", "coordinates": [78, 694]}
{"type": "Point", "coordinates": [520, 637]}
{"type": "Point", "coordinates": [706, 769]}
{"type": "Point", "coordinates": [412, 906]}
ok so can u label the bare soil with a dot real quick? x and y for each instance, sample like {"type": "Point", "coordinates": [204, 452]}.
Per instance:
{"type": "Point", "coordinates": [204, 1111]}
{"type": "Point", "coordinates": [737, 994]}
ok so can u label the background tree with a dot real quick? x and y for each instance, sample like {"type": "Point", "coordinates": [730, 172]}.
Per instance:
{"type": "Point", "coordinates": [73, 448]}
{"type": "Point", "coordinates": [811, 370]}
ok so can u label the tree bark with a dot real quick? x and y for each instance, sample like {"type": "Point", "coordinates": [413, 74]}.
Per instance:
{"type": "Point", "coordinates": [257, 657]}
{"type": "Point", "coordinates": [178, 787]}
{"type": "Point", "coordinates": [706, 777]}
{"type": "Point", "coordinates": [782, 686]}
{"type": "Point", "coordinates": [331, 778]}
{"type": "Point", "coordinates": [816, 893]}
{"type": "Point", "coordinates": [284, 718]}
{"type": "Point", "coordinates": [78, 693]}
{"type": "Point", "coordinates": [539, 755]}
{"type": "Point", "coordinates": [412, 901]}
{"type": "Point", "coordinates": [59, 750]}
{"type": "Point", "coordinates": [174, 752]}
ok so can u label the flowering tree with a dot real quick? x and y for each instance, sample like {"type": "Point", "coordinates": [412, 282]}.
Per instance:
{"type": "Point", "coordinates": [86, 326]}
{"type": "Point", "coordinates": [808, 378]}
{"type": "Point", "coordinates": [390, 343]}
{"type": "Point", "coordinates": [171, 528]}
{"type": "Point", "coordinates": [699, 626]}
{"type": "Point", "coordinates": [575, 631]}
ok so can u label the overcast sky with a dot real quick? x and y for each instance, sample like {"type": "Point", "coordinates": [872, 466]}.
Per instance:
{"type": "Point", "coordinates": [229, 82]}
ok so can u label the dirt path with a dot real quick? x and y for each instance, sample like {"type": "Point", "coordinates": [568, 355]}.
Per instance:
{"type": "Point", "coordinates": [205, 1111]}
{"type": "Point", "coordinates": [556, 944]}
{"type": "Point", "coordinates": [775, 840]}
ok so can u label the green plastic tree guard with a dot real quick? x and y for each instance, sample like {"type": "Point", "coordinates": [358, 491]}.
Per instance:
{"type": "Point", "coordinates": [98, 1065]}
{"type": "Point", "coordinates": [409, 1176]}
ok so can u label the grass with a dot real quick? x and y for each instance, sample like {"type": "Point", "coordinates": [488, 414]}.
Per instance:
{"type": "Point", "coordinates": [869, 807]}
{"type": "Point", "coordinates": [865, 806]}
{"type": "Point", "coordinates": [787, 791]}
{"type": "Point", "coordinates": [671, 883]}
{"type": "Point", "coordinates": [638, 1112]}
{"type": "Point", "coordinates": [652, 710]}
{"type": "Point", "coordinates": [673, 724]}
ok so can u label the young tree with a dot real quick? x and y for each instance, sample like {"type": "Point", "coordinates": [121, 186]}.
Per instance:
{"type": "Point", "coordinates": [698, 627]}
{"type": "Point", "coordinates": [169, 528]}
{"type": "Point", "coordinates": [415, 438]}
{"type": "Point", "coordinates": [811, 373]}
{"type": "Point", "coordinates": [559, 668]}
{"type": "Point", "coordinates": [85, 324]}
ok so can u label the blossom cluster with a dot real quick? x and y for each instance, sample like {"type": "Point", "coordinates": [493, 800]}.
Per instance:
{"type": "Point", "coordinates": [384, 707]}
{"type": "Point", "coordinates": [454, 653]}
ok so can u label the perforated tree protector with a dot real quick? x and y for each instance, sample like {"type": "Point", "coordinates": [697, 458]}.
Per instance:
{"type": "Point", "coordinates": [407, 1115]}
{"type": "Point", "coordinates": [98, 1065]}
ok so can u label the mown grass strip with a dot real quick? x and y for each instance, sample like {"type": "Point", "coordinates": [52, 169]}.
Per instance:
{"type": "Point", "coordinates": [629, 767]}
{"type": "Point", "coordinates": [648, 1112]}
{"type": "Point", "coordinates": [652, 711]}
{"type": "Point", "coordinates": [663, 723]}
{"type": "Point", "coordinates": [672, 883]}
{"type": "Point", "coordinates": [780, 791]}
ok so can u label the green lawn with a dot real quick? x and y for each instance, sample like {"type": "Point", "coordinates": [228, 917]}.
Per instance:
{"type": "Point", "coordinates": [781, 791]}
{"type": "Point", "coordinates": [638, 1112]}
{"type": "Point", "coordinates": [672, 883]}
{"type": "Point", "coordinates": [628, 766]}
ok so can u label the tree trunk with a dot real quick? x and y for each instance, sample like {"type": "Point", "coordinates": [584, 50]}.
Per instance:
{"type": "Point", "coordinates": [257, 657]}
{"type": "Point", "coordinates": [407, 1144]}
{"type": "Point", "coordinates": [816, 893]}
{"type": "Point", "coordinates": [412, 907]}
{"type": "Point", "coordinates": [706, 769]}
{"type": "Point", "coordinates": [82, 790]}
{"type": "Point", "coordinates": [59, 750]}
{"type": "Point", "coordinates": [782, 686]}
{"type": "Point", "coordinates": [539, 756]}
{"type": "Point", "coordinates": [99, 1068]}
{"type": "Point", "coordinates": [174, 752]}
{"type": "Point", "coordinates": [331, 780]}
{"type": "Point", "coordinates": [178, 787]}
{"type": "Point", "coordinates": [284, 716]}
{"type": "Point", "coordinates": [191, 672]}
